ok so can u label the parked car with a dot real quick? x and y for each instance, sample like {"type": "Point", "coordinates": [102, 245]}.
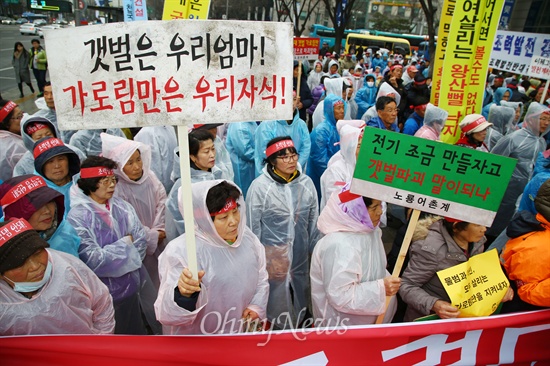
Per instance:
{"type": "Point", "coordinates": [7, 20]}
{"type": "Point", "coordinates": [48, 26]}
{"type": "Point", "coordinates": [28, 28]}
{"type": "Point", "coordinates": [21, 21]}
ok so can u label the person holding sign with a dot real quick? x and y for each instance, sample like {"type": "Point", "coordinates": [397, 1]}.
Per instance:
{"type": "Point", "coordinates": [43, 291]}
{"type": "Point", "coordinates": [448, 243]}
{"type": "Point", "coordinates": [113, 241]}
{"type": "Point", "coordinates": [232, 282]}
{"type": "Point", "coordinates": [349, 280]}
{"type": "Point", "coordinates": [527, 255]}
{"type": "Point", "coordinates": [282, 211]}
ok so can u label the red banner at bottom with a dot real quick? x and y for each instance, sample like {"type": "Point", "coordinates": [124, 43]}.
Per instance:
{"type": "Point", "coordinates": [505, 339]}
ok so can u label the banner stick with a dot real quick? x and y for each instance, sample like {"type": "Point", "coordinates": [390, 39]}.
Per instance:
{"type": "Point", "coordinates": [544, 92]}
{"type": "Point", "coordinates": [299, 79]}
{"type": "Point", "coordinates": [401, 258]}
{"type": "Point", "coordinates": [187, 198]}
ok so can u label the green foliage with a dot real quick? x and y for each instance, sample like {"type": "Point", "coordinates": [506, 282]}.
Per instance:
{"type": "Point", "coordinates": [389, 23]}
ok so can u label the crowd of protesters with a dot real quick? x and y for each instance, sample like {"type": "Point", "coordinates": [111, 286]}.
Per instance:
{"type": "Point", "coordinates": [92, 238]}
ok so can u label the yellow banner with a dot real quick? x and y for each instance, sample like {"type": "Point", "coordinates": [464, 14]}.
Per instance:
{"type": "Point", "coordinates": [185, 9]}
{"type": "Point", "coordinates": [442, 40]}
{"type": "Point", "coordinates": [477, 286]}
{"type": "Point", "coordinates": [472, 30]}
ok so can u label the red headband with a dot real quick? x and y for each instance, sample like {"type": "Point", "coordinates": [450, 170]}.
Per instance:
{"type": "Point", "coordinates": [33, 127]}
{"type": "Point", "coordinates": [474, 124]}
{"type": "Point", "coordinates": [22, 189]}
{"type": "Point", "coordinates": [95, 172]}
{"type": "Point", "coordinates": [47, 145]}
{"type": "Point", "coordinates": [451, 220]}
{"type": "Point", "coordinates": [12, 229]}
{"type": "Point", "coordinates": [230, 204]}
{"type": "Point", "coordinates": [420, 107]}
{"type": "Point", "coordinates": [278, 146]}
{"type": "Point", "coordinates": [347, 196]}
{"type": "Point", "coordinates": [10, 106]}
{"type": "Point", "coordinates": [394, 66]}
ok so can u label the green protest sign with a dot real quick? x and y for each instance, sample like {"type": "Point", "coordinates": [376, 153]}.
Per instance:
{"type": "Point", "coordinates": [431, 176]}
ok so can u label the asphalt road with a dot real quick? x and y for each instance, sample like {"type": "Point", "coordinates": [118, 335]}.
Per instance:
{"type": "Point", "coordinates": [9, 34]}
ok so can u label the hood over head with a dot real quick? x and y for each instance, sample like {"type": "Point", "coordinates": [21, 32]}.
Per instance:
{"type": "Point", "coordinates": [48, 147]}
{"type": "Point", "coordinates": [532, 118]}
{"type": "Point", "coordinates": [120, 150]}
{"type": "Point", "coordinates": [22, 196]}
{"type": "Point", "coordinates": [514, 106]}
{"type": "Point", "coordinates": [386, 89]}
{"type": "Point", "coordinates": [501, 117]}
{"type": "Point", "coordinates": [334, 86]}
{"type": "Point", "coordinates": [345, 212]}
{"type": "Point", "coordinates": [328, 106]}
{"type": "Point", "coordinates": [27, 121]}
{"type": "Point", "coordinates": [435, 117]}
{"type": "Point", "coordinates": [350, 131]}
{"type": "Point", "coordinates": [499, 93]}
{"type": "Point", "coordinates": [204, 225]}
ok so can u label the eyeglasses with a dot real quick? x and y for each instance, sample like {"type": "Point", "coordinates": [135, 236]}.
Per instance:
{"type": "Point", "coordinates": [391, 110]}
{"type": "Point", "coordinates": [106, 182]}
{"type": "Point", "coordinates": [288, 158]}
{"type": "Point", "coordinates": [18, 117]}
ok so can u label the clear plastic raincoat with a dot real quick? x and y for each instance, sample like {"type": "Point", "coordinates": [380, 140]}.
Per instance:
{"type": "Point", "coordinates": [348, 267]}
{"type": "Point", "coordinates": [268, 130]}
{"type": "Point", "coordinates": [502, 119]}
{"type": "Point", "coordinates": [89, 142]}
{"type": "Point", "coordinates": [333, 86]}
{"type": "Point", "coordinates": [241, 147]}
{"type": "Point", "coordinates": [434, 120]}
{"type": "Point", "coordinates": [73, 301]}
{"type": "Point", "coordinates": [26, 164]}
{"type": "Point", "coordinates": [284, 217]}
{"type": "Point", "coordinates": [12, 150]}
{"type": "Point", "coordinates": [524, 145]}
{"type": "Point", "coordinates": [105, 244]}
{"type": "Point", "coordinates": [324, 139]}
{"type": "Point", "coordinates": [175, 226]}
{"type": "Point", "coordinates": [162, 140]}
{"type": "Point", "coordinates": [235, 275]}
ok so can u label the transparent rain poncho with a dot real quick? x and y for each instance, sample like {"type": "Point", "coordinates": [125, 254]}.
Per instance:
{"type": "Point", "coordinates": [434, 120]}
{"type": "Point", "coordinates": [348, 266]}
{"type": "Point", "coordinates": [26, 164]}
{"type": "Point", "coordinates": [241, 147]}
{"type": "Point", "coordinates": [333, 86]}
{"type": "Point", "coordinates": [162, 140]}
{"type": "Point", "coordinates": [284, 218]}
{"type": "Point", "coordinates": [502, 119]}
{"type": "Point", "coordinates": [89, 142]}
{"type": "Point", "coordinates": [73, 301]}
{"type": "Point", "coordinates": [524, 145]}
{"type": "Point", "coordinates": [268, 130]}
{"type": "Point", "coordinates": [235, 275]}
{"type": "Point", "coordinates": [105, 244]}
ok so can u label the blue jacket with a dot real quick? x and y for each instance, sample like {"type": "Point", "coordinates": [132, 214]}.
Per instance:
{"type": "Point", "coordinates": [323, 142]}
{"type": "Point", "coordinates": [413, 124]}
{"type": "Point", "coordinates": [376, 122]}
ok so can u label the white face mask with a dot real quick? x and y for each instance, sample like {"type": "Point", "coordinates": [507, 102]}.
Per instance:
{"type": "Point", "coordinates": [370, 84]}
{"type": "Point", "coordinates": [32, 286]}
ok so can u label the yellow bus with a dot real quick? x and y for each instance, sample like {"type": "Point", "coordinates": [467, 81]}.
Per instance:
{"type": "Point", "coordinates": [395, 45]}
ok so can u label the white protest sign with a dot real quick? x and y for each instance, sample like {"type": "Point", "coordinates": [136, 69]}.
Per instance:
{"type": "Point", "coordinates": [521, 53]}
{"type": "Point", "coordinates": [170, 73]}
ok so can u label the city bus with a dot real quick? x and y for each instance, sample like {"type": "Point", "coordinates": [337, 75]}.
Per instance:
{"type": "Point", "coordinates": [395, 45]}
{"type": "Point", "coordinates": [327, 34]}
{"type": "Point", "coordinates": [418, 42]}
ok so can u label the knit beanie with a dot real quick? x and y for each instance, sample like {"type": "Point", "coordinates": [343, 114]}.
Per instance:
{"type": "Point", "coordinates": [542, 201]}
{"type": "Point", "coordinates": [18, 241]}
{"type": "Point", "coordinates": [22, 196]}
